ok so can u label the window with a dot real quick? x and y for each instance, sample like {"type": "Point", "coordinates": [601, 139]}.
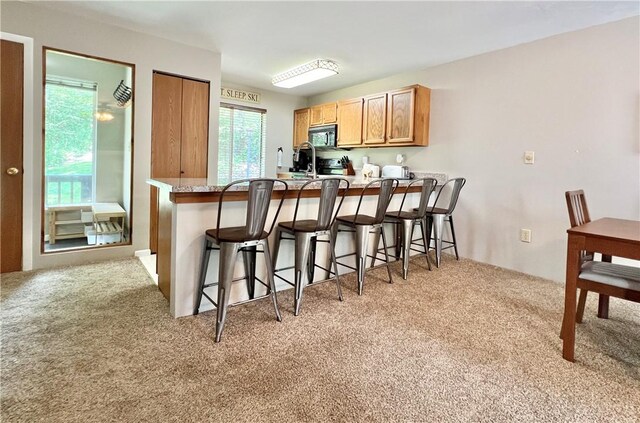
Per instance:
{"type": "Point", "coordinates": [241, 143]}
{"type": "Point", "coordinates": [70, 140]}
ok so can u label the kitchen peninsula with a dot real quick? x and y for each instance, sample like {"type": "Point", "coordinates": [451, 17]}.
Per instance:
{"type": "Point", "coordinates": [189, 206]}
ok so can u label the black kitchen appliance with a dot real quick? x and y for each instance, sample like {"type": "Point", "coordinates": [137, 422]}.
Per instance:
{"type": "Point", "coordinates": [302, 163]}
{"type": "Point", "coordinates": [330, 167]}
{"type": "Point", "coordinates": [324, 137]}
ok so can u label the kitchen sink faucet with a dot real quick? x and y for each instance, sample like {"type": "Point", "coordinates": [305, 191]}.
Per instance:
{"type": "Point", "coordinates": [296, 157]}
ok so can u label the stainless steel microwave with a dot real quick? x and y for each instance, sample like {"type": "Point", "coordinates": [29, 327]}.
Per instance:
{"type": "Point", "coordinates": [323, 136]}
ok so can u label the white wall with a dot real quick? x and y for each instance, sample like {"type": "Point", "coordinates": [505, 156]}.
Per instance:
{"type": "Point", "coordinates": [68, 32]}
{"type": "Point", "coordinates": [280, 109]}
{"type": "Point", "coordinates": [571, 98]}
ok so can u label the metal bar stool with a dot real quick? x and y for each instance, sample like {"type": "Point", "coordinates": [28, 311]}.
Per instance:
{"type": "Point", "coordinates": [246, 239]}
{"type": "Point", "coordinates": [405, 221]}
{"type": "Point", "coordinates": [363, 224]}
{"type": "Point", "coordinates": [438, 215]}
{"type": "Point", "coordinates": [306, 232]}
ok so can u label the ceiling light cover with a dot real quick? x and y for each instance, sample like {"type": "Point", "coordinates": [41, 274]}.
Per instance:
{"type": "Point", "coordinates": [309, 72]}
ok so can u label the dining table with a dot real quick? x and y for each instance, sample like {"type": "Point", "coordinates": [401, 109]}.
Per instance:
{"type": "Point", "coordinates": [607, 236]}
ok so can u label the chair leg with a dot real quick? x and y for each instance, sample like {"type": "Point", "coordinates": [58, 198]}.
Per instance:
{"type": "Point", "coordinates": [581, 302]}
{"type": "Point", "coordinates": [271, 278]}
{"type": "Point", "coordinates": [332, 249]}
{"type": "Point", "coordinates": [228, 255]}
{"type": "Point", "coordinates": [302, 258]}
{"type": "Point", "coordinates": [362, 239]}
{"type": "Point", "coordinates": [249, 260]}
{"type": "Point", "coordinates": [438, 223]}
{"type": "Point", "coordinates": [453, 236]}
{"type": "Point", "coordinates": [398, 232]}
{"type": "Point", "coordinates": [204, 265]}
{"type": "Point", "coordinates": [386, 254]}
{"type": "Point", "coordinates": [376, 244]}
{"type": "Point", "coordinates": [603, 306]}
{"type": "Point", "coordinates": [425, 240]}
{"type": "Point", "coordinates": [311, 263]}
{"type": "Point", "coordinates": [407, 235]}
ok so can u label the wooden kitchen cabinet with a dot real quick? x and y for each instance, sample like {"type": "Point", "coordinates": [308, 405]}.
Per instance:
{"type": "Point", "coordinates": [323, 114]}
{"type": "Point", "coordinates": [401, 112]}
{"type": "Point", "coordinates": [179, 134]}
{"type": "Point", "coordinates": [374, 119]}
{"type": "Point", "coordinates": [350, 122]}
{"type": "Point", "coordinates": [301, 119]}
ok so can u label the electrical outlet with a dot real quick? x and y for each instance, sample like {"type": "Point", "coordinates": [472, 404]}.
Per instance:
{"type": "Point", "coordinates": [529, 157]}
{"type": "Point", "coordinates": [525, 235]}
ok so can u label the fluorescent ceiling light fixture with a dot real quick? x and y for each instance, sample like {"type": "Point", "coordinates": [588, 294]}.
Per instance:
{"type": "Point", "coordinates": [303, 74]}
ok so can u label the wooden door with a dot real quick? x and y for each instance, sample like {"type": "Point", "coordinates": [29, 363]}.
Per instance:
{"type": "Point", "coordinates": [300, 126]}
{"type": "Point", "coordinates": [195, 129]}
{"type": "Point", "coordinates": [350, 122]}
{"type": "Point", "coordinates": [375, 119]}
{"type": "Point", "coordinates": [166, 133]}
{"type": "Point", "coordinates": [329, 113]}
{"type": "Point", "coordinates": [11, 110]}
{"type": "Point", "coordinates": [401, 112]}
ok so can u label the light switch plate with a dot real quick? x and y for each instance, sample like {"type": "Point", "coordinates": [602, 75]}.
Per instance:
{"type": "Point", "coordinates": [525, 235]}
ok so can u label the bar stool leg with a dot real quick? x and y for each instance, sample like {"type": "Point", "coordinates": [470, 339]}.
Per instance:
{"type": "Point", "coordinates": [276, 250]}
{"type": "Point", "coordinates": [398, 233]}
{"type": "Point", "coordinates": [438, 223]}
{"type": "Point", "coordinates": [425, 240]}
{"type": "Point", "coordinates": [311, 263]}
{"type": "Point", "coordinates": [271, 278]}
{"type": "Point", "coordinates": [204, 265]}
{"type": "Point", "coordinates": [303, 245]}
{"type": "Point", "coordinates": [332, 249]}
{"type": "Point", "coordinates": [407, 235]}
{"type": "Point", "coordinates": [376, 244]}
{"type": "Point", "coordinates": [386, 254]}
{"type": "Point", "coordinates": [228, 255]}
{"type": "Point", "coordinates": [362, 239]}
{"type": "Point", "coordinates": [249, 260]}
{"type": "Point", "coordinates": [453, 236]}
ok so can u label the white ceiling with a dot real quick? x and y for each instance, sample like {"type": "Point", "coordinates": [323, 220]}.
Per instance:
{"type": "Point", "coordinates": [369, 40]}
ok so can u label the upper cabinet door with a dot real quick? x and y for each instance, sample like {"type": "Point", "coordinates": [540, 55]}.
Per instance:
{"type": "Point", "coordinates": [316, 116]}
{"type": "Point", "coordinates": [329, 113]}
{"type": "Point", "coordinates": [375, 119]}
{"type": "Point", "coordinates": [401, 115]}
{"type": "Point", "coordinates": [350, 122]}
{"type": "Point", "coordinates": [300, 126]}
{"type": "Point", "coordinates": [195, 129]}
{"type": "Point", "coordinates": [166, 128]}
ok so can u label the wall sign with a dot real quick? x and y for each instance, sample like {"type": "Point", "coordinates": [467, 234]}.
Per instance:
{"type": "Point", "coordinates": [241, 95]}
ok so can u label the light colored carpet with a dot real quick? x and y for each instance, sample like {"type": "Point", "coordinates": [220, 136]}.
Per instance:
{"type": "Point", "coordinates": [466, 342]}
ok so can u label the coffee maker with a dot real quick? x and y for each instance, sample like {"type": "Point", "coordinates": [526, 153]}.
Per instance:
{"type": "Point", "coordinates": [302, 164]}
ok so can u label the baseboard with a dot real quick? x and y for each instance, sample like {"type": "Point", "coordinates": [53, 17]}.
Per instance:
{"type": "Point", "coordinates": [142, 253]}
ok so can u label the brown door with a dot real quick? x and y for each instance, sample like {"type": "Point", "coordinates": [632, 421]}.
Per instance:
{"type": "Point", "coordinates": [11, 108]}
{"type": "Point", "coordinates": [195, 129]}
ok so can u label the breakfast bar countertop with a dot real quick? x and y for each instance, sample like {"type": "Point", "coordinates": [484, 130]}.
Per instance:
{"type": "Point", "coordinates": [194, 185]}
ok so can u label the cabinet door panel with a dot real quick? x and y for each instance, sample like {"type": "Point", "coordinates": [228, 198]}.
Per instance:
{"type": "Point", "coordinates": [316, 116]}
{"type": "Point", "coordinates": [329, 113]}
{"type": "Point", "coordinates": [166, 130]}
{"type": "Point", "coordinates": [300, 126]}
{"type": "Point", "coordinates": [350, 122]}
{"type": "Point", "coordinates": [195, 129]}
{"type": "Point", "coordinates": [375, 119]}
{"type": "Point", "coordinates": [401, 115]}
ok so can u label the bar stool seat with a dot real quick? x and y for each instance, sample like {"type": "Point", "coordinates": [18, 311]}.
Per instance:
{"type": "Point", "coordinates": [360, 219]}
{"type": "Point", "coordinates": [306, 233]}
{"type": "Point", "coordinates": [231, 241]}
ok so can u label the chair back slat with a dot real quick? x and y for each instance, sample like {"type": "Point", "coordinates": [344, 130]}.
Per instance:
{"type": "Point", "coordinates": [329, 193]}
{"type": "Point", "coordinates": [428, 186]}
{"type": "Point", "coordinates": [387, 189]}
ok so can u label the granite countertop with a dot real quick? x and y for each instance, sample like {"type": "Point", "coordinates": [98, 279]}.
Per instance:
{"type": "Point", "coordinates": [202, 184]}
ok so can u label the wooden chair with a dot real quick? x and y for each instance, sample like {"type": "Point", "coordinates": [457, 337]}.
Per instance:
{"type": "Point", "coordinates": [579, 215]}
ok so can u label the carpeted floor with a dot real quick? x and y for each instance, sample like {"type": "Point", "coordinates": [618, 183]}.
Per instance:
{"type": "Point", "coordinates": [466, 342]}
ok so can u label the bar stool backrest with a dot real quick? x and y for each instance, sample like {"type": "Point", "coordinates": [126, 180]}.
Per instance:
{"type": "Point", "coordinates": [387, 189]}
{"type": "Point", "coordinates": [327, 210]}
{"type": "Point", "coordinates": [258, 203]}
{"type": "Point", "coordinates": [428, 186]}
{"type": "Point", "coordinates": [456, 185]}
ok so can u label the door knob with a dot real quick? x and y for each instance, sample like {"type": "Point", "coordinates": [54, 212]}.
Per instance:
{"type": "Point", "coordinates": [12, 171]}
